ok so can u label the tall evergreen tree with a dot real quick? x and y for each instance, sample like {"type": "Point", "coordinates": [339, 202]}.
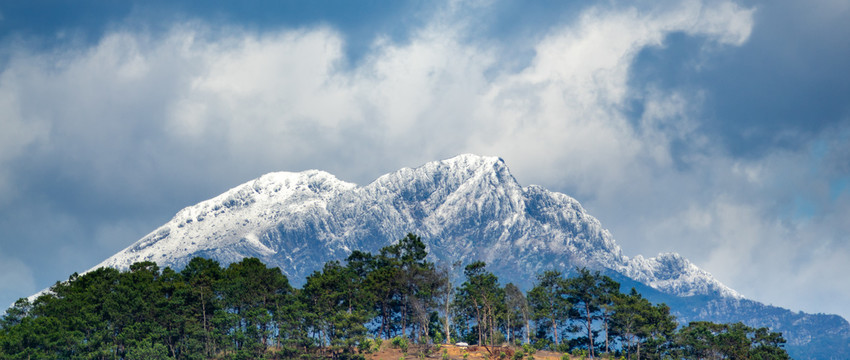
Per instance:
{"type": "Point", "coordinates": [610, 289]}
{"type": "Point", "coordinates": [445, 296]}
{"type": "Point", "coordinates": [517, 310]}
{"type": "Point", "coordinates": [479, 297]}
{"type": "Point", "coordinates": [549, 302]}
{"type": "Point", "coordinates": [201, 276]}
{"type": "Point", "coordinates": [630, 316]}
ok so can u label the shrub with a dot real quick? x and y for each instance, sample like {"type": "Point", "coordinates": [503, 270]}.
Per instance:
{"type": "Point", "coordinates": [438, 338]}
{"type": "Point", "coordinates": [401, 343]}
{"type": "Point", "coordinates": [543, 344]}
{"type": "Point", "coordinates": [580, 353]}
{"type": "Point", "coordinates": [518, 355]}
{"type": "Point", "coordinates": [529, 350]}
{"type": "Point", "coordinates": [369, 346]}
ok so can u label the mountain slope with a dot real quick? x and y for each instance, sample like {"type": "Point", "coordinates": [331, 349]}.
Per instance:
{"type": "Point", "coordinates": [465, 208]}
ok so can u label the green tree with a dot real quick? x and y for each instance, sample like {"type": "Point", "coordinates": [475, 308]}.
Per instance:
{"type": "Point", "coordinates": [403, 286]}
{"type": "Point", "coordinates": [201, 277]}
{"type": "Point", "coordinates": [707, 340]}
{"type": "Point", "coordinates": [549, 303]}
{"type": "Point", "coordinates": [610, 289]}
{"type": "Point", "coordinates": [586, 294]}
{"type": "Point", "coordinates": [479, 297]}
{"type": "Point", "coordinates": [631, 314]}
{"type": "Point", "coordinates": [337, 315]}
{"type": "Point", "coordinates": [445, 296]}
{"type": "Point", "coordinates": [658, 331]}
{"type": "Point", "coordinates": [250, 291]}
{"type": "Point", "coordinates": [767, 345]}
{"type": "Point", "coordinates": [518, 313]}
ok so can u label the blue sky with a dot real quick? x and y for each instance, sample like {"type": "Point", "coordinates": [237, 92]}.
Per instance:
{"type": "Point", "coordinates": [716, 129]}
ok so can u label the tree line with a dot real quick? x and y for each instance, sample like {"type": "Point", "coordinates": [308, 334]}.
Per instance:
{"type": "Point", "coordinates": [249, 311]}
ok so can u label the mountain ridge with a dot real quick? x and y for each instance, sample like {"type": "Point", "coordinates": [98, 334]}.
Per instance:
{"type": "Point", "coordinates": [465, 208]}
{"type": "Point", "coordinates": [219, 223]}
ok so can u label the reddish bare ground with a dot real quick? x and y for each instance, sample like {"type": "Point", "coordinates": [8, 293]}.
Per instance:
{"type": "Point", "coordinates": [456, 353]}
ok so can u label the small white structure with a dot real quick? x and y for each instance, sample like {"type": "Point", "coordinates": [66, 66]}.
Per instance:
{"type": "Point", "coordinates": [462, 344]}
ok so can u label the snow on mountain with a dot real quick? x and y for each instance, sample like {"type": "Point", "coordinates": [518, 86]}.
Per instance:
{"type": "Point", "coordinates": [465, 208]}
{"type": "Point", "coordinates": [673, 274]}
{"type": "Point", "coordinates": [230, 226]}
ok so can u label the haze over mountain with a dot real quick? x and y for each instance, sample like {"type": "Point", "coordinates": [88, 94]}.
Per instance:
{"type": "Point", "coordinates": [465, 208]}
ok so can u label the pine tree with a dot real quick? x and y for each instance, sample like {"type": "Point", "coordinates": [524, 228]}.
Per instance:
{"type": "Point", "coordinates": [517, 309]}
{"type": "Point", "coordinates": [549, 303]}
{"type": "Point", "coordinates": [480, 297]}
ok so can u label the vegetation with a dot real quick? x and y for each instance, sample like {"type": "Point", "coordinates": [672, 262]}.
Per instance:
{"type": "Point", "coordinates": [395, 297]}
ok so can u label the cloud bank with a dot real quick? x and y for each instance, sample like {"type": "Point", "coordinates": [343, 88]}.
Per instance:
{"type": "Point", "coordinates": [105, 141]}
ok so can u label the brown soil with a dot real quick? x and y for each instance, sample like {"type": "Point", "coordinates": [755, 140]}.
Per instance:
{"type": "Point", "coordinates": [456, 353]}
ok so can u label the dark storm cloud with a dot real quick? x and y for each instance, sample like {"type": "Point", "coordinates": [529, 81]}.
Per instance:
{"type": "Point", "coordinates": [780, 89]}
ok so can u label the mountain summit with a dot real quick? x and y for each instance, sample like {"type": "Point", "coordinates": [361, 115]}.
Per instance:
{"type": "Point", "coordinates": [465, 208]}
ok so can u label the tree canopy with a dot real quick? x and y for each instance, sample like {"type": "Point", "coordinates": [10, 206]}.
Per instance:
{"type": "Point", "coordinates": [250, 311]}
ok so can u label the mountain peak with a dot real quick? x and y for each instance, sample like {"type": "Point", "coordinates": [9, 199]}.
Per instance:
{"type": "Point", "coordinates": [474, 161]}
{"type": "Point", "coordinates": [461, 168]}
{"type": "Point", "coordinates": [468, 207]}
{"type": "Point", "coordinates": [671, 272]}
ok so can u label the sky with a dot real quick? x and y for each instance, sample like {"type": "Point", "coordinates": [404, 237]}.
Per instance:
{"type": "Point", "coordinates": [716, 129]}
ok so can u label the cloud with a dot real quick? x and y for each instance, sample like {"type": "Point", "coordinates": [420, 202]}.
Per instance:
{"type": "Point", "coordinates": [138, 125]}
{"type": "Point", "coordinates": [15, 278]}
{"type": "Point", "coordinates": [16, 137]}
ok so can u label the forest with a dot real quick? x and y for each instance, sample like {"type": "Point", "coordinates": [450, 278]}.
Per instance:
{"type": "Point", "coordinates": [348, 309]}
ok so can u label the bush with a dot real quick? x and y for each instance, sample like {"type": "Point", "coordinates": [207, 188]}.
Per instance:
{"type": "Point", "coordinates": [541, 344]}
{"type": "Point", "coordinates": [529, 350]}
{"type": "Point", "coordinates": [563, 347]}
{"type": "Point", "coordinates": [498, 339]}
{"type": "Point", "coordinates": [345, 356]}
{"type": "Point", "coordinates": [580, 353]}
{"type": "Point", "coordinates": [369, 346]}
{"type": "Point", "coordinates": [518, 355]}
{"type": "Point", "coordinates": [401, 343]}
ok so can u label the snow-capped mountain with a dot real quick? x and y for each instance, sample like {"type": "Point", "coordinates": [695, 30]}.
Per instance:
{"type": "Point", "coordinates": [465, 208]}
{"type": "Point", "coordinates": [468, 207]}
